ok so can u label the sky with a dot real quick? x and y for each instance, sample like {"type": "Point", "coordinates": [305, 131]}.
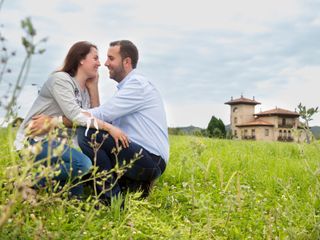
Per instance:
{"type": "Point", "coordinates": [199, 54]}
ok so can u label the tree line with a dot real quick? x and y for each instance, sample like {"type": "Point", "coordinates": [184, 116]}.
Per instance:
{"type": "Point", "coordinates": [215, 129]}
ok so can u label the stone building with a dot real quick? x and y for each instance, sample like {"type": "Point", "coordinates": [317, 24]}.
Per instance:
{"type": "Point", "coordinates": [273, 125]}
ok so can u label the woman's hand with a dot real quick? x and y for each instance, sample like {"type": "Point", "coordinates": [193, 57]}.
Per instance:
{"type": "Point", "coordinates": [119, 135]}
{"type": "Point", "coordinates": [92, 82]}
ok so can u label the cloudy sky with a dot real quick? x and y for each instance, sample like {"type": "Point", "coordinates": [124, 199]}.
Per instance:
{"type": "Point", "coordinates": [198, 53]}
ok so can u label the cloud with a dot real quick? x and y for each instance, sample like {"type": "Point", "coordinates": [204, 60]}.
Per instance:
{"type": "Point", "coordinates": [198, 53]}
{"type": "Point", "coordinates": [179, 115]}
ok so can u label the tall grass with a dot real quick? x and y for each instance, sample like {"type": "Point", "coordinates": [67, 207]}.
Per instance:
{"type": "Point", "coordinates": [211, 189]}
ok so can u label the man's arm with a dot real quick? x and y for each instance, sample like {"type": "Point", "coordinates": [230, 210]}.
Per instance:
{"type": "Point", "coordinates": [42, 124]}
{"type": "Point", "coordinates": [127, 100]}
{"type": "Point", "coordinates": [116, 133]}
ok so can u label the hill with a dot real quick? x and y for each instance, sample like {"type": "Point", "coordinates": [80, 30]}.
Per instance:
{"type": "Point", "coordinates": [190, 130]}
{"type": "Point", "coordinates": [315, 131]}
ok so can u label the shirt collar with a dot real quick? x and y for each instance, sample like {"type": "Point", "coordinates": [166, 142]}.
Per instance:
{"type": "Point", "coordinates": [119, 86]}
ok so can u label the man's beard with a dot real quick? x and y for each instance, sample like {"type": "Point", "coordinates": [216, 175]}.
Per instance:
{"type": "Point", "coordinates": [118, 73]}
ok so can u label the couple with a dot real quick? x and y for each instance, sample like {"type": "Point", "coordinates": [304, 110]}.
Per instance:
{"type": "Point", "coordinates": [134, 118]}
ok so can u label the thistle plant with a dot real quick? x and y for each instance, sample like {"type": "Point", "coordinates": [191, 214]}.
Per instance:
{"type": "Point", "coordinates": [118, 170]}
{"type": "Point", "coordinates": [19, 178]}
{"type": "Point", "coordinates": [8, 102]}
{"type": "Point", "coordinates": [24, 174]}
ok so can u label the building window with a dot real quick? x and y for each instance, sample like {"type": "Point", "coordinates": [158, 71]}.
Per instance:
{"type": "Point", "coordinates": [289, 134]}
{"type": "Point", "coordinates": [283, 121]}
{"type": "Point", "coordinates": [253, 132]}
{"type": "Point", "coordinates": [235, 109]}
{"type": "Point", "coordinates": [235, 120]}
{"type": "Point", "coordinates": [280, 133]}
{"type": "Point", "coordinates": [266, 132]}
{"type": "Point", "coordinates": [235, 133]}
{"type": "Point", "coordinates": [245, 132]}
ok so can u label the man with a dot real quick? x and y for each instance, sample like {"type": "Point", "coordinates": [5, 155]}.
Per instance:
{"type": "Point", "coordinates": [137, 109]}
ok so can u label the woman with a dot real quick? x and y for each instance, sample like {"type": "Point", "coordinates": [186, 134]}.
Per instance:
{"type": "Point", "coordinates": [65, 93]}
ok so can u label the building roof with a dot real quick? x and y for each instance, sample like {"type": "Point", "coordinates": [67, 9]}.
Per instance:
{"type": "Point", "coordinates": [278, 112]}
{"type": "Point", "coordinates": [256, 122]}
{"type": "Point", "coordinates": [242, 100]}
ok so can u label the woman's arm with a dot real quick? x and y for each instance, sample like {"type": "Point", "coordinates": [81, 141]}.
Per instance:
{"type": "Point", "coordinates": [63, 94]}
{"type": "Point", "coordinates": [92, 86]}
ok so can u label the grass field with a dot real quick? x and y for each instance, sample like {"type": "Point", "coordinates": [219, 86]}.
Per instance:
{"type": "Point", "coordinates": [211, 189]}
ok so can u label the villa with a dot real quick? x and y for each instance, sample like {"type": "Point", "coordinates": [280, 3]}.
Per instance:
{"type": "Point", "coordinates": [274, 125]}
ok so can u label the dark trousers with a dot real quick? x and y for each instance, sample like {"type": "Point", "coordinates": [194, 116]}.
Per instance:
{"type": "Point", "coordinates": [142, 173]}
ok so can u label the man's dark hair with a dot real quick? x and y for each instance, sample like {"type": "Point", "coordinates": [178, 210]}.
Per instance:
{"type": "Point", "coordinates": [127, 49]}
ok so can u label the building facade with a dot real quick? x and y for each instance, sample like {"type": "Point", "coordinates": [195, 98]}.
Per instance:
{"type": "Point", "coordinates": [273, 125]}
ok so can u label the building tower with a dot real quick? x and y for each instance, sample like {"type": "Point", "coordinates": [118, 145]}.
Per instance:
{"type": "Point", "coordinates": [242, 111]}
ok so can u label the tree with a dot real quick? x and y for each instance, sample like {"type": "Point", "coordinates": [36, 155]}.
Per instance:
{"type": "Point", "coordinates": [216, 128]}
{"type": "Point", "coordinates": [306, 114]}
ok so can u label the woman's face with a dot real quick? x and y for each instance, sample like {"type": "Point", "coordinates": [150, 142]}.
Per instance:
{"type": "Point", "coordinates": [91, 63]}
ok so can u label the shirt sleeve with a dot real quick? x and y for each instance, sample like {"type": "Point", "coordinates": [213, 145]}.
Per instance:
{"type": "Point", "coordinates": [128, 99]}
{"type": "Point", "coordinates": [63, 92]}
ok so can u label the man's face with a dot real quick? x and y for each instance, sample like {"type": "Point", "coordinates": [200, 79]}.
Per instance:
{"type": "Point", "coordinates": [115, 64]}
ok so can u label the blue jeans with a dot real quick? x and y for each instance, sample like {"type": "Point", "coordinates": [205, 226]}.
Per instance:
{"type": "Point", "coordinates": [144, 170]}
{"type": "Point", "coordinates": [71, 164]}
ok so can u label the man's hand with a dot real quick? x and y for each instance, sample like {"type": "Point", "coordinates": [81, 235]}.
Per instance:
{"type": "Point", "coordinates": [40, 124]}
{"type": "Point", "coordinates": [118, 135]}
